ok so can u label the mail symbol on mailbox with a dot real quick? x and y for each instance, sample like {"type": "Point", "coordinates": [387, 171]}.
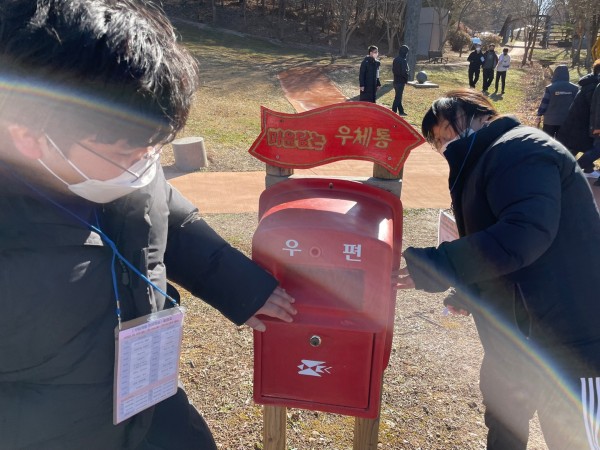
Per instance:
{"type": "Point", "coordinates": [313, 368]}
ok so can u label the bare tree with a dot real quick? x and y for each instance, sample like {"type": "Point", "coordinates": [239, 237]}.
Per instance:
{"type": "Point", "coordinates": [411, 32]}
{"type": "Point", "coordinates": [349, 15]}
{"type": "Point", "coordinates": [391, 14]}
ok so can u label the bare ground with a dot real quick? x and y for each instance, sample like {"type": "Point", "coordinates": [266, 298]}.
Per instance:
{"type": "Point", "coordinates": [431, 397]}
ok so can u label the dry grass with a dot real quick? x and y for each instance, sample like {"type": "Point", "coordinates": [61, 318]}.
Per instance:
{"type": "Point", "coordinates": [239, 75]}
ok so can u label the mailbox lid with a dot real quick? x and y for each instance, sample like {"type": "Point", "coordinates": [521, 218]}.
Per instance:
{"type": "Point", "coordinates": [341, 205]}
{"type": "Point", "coordinates": [335, 373]}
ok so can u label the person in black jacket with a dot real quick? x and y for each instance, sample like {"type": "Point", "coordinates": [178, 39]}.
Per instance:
{"type": "Point", "coordinates": [575, 132]}
{"type": "Point", "coordinates": [400, 70]}
{"type": "Point", "coordinates": [556, 101]}
{"type": "Point", "coordinates": [368, 78]}
{"type": "Point", "coordinates": [90, 230]}
{"type": "Point", "coordinates": [475, 59]}
{"type": "Point", "coordinates": [523, 266]}
{"type": "Point", "coordinates": [490, 61]}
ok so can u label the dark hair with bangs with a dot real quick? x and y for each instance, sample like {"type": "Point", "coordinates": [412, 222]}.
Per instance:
{"type": "Point", "coordinates": [111, 67]}
{"type": "Point", "coordinates": [458, 107]}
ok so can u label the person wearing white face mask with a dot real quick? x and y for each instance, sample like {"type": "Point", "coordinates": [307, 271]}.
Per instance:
{"type": "Point", "coordinates": [475, 59]}
{"type": "Point", "coordinates": [523, 266]}
{"type": "Point", "coordinates": [91, 232]}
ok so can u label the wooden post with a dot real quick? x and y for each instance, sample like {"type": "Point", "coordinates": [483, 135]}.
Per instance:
{"type": "Point", "coordinates": [274, 424]}
{"type": "Point", "coordinates": [381, 172]}
{"type": "Point", "coordinates": [276, 174]}
{"type": "Point", "coordinates": [366, 433]}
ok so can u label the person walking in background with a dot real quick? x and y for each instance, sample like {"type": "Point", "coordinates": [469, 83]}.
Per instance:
{"type": "Point", "coordinates": [501, 69]}
{"type": "Point", "coordinates": [524, 266]}
{"type": "Point", "coordinates": [400, 70]}
{"type": "Point", "coordinates": [594, 130]}
{"type": "Point", "coordinates": [475, 59]}
{"type": "Point", "coordinates": [575, 130]}
{"type": "Point", "coordinates": [368, 78]}
{"type": "Point", "coordinates": [490, 60]}
{"type": "Point", "coordinates": [558, 97]}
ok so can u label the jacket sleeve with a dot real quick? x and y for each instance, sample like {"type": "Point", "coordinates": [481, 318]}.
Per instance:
{"type": "Point", "coordinates": [404, 71]}
{"type": "Point", "coordinates": [202, 262]}
{"type": "Point", "coordinates": [544, 103]}
{"type": "Point", "coordinates": [362, 73]}
{"type": "Point", "coordinates": [528, 215]}
{"type": "Point", "coordinates": [595, 111]}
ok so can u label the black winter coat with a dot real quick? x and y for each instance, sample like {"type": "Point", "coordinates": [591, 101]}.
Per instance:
{"type": "Point", "coordinates": [475, 59]}
{"type": "Point", "coordinates": [400, 67]}
{"type": "Point", "coordinates": [574, 132]}
{"type": "Point", "coordinates": [58, 320]}
{"type": "Point", "coordinates": [369, 78]}
{"type": "Point", "coordinates": [530, 239]}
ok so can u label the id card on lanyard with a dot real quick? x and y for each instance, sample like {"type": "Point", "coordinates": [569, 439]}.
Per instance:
{"type": "Point", "coordinates": [447, 229]}
{"type": "Point", "coordinates": [147, 353]}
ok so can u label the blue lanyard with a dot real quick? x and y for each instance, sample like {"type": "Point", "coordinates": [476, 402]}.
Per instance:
{"type": "Point", "coordinates": [109, 242]}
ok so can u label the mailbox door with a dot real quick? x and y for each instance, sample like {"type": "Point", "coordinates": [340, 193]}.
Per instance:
{"type": "Point", "coordinates": [336, 372]}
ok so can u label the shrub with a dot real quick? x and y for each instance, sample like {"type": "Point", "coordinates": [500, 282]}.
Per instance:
{"type": "Point", "coordinates": [490, 38]}
{"type": "Point", "coordinates": [458, 39]}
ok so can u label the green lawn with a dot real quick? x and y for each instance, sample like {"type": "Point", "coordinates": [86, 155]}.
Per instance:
{"type": "Point", "coordinates": [239, 74]}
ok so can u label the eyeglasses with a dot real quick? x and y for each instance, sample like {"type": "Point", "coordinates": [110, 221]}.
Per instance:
{"type": "Point", "coordinates": [151, 155]}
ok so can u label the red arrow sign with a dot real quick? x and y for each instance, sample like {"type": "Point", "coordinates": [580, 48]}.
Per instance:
{"type": "Point", "coordinates": [350, 130]}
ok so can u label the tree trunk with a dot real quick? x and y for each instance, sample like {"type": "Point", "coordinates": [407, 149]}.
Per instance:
{"type": "Point", "coordinates": [281, 18]}
{"type": "Point", "coordinates": [344, 38]}
{"type": "Point", "coordinates": [213, 4]}
{"type": "Point", "coordinates": [411, 33]}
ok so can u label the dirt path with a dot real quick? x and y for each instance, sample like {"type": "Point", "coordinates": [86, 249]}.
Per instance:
{"type": "Point", "coordinates": [425, 172]}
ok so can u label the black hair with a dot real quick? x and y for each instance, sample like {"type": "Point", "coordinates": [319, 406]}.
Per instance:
{"type": "Point", "coordinates": [458, 107]}
{"type": "Point", "coordinates": [120, 57]}
{"type": "Point", "coordinates": [373, 48]}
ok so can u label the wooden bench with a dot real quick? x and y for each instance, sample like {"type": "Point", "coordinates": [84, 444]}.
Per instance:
{"type": "Point", "coordinates": [436, 57]}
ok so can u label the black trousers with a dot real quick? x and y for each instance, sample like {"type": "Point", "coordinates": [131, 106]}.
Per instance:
{"type": "Point", "coordinates": [500, 76]}
{"type": "Point", "coordinates": [473, 76]}
{"type": "Point", "coordinates": [397, 105]}
{"type": "Point", "coordinates": [488, 77]}
{"type": "Point", "coordinates": [176, 425]}
{"type": "Point", "coordinates": [551, 130]}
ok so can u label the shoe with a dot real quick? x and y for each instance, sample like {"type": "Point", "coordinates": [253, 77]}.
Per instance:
{"type": "Point", "coordinates": [502, 93]}
{"type": "Point", "coordinates": [402, 114]}
{"type": "Point", "coordinates": [496, 91]}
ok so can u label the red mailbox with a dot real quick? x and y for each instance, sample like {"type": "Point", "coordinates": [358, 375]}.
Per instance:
{"type": "Point", "coordinates": [333, 245]}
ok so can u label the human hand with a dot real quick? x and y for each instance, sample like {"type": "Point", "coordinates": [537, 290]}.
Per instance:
{"type": "Point", "coordinates": [457, 311]}
{"type": "Point", "coordinates": [596, 132]}
{"type": "Point", "coordinates": [278, 305]}
{"type": "Point", "coordinates": [362, 88]}
{"type": "Point", "coordinates": [401, 279]}
{"type": "Point", "coordinates": [538, 121]}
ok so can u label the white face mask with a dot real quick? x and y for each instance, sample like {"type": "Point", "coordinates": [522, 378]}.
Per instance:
{"type": "Point", "coordinates": [105, 191]}
{"type": "Point", "coordinates": [466, 133]}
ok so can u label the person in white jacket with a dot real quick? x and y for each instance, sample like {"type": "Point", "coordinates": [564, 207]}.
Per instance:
{"type": "Point", "coordinates": [501, 69]}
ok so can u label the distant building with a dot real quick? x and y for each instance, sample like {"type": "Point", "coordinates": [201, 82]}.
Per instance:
{"type": "Point", "coordinates": [431, 32]}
